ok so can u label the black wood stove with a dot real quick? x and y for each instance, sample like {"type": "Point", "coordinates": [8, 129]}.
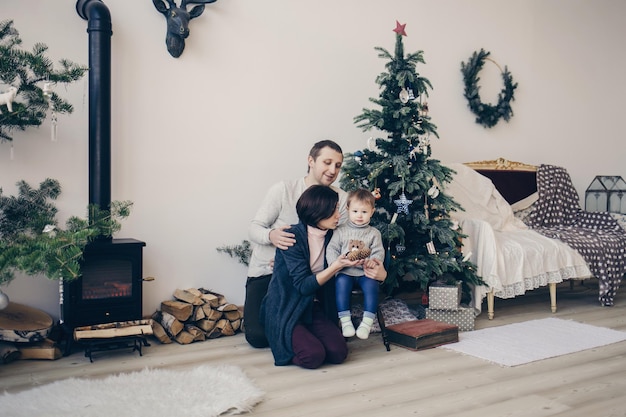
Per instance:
{"type": "Point", "coordinates": [110, 287]}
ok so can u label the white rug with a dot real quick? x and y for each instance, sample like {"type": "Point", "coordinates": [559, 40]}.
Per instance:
{"type": "Point", "coordinates": [204, 391]}
{"type": "Point", "coordinates": [530, 341]}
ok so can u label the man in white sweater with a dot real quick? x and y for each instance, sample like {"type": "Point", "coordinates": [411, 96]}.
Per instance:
{"type": "Point", "coordinates": [267, 229]}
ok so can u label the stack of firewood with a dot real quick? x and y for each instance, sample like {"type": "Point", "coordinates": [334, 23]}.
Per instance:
{"type": "Point", "coordinates": [195, 315]}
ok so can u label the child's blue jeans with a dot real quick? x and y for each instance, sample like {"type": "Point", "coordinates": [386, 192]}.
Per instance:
{"type": "Point", "coordinates": [344, 284]}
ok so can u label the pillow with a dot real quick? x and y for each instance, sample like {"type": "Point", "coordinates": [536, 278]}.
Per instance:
{"type": "Point", "coordinates": [394, 311]}
{"type": "Point", "coordinates": [525, 202]}
{"type": "Point", "coordinates": [523, 208]}
{"type": "Point", "coordinates": [480, 199]}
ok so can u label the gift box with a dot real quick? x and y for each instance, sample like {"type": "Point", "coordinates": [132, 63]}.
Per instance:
{"type": "Point", "coordinates": [444, 296]}
{"type": "Point", "coordinates": [463, 317]}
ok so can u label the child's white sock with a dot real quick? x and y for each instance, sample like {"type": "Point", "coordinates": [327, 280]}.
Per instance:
{"type": "Point", "coordinates": [347, 328]}
{"type": "Point", "coordinates": [363, 331]}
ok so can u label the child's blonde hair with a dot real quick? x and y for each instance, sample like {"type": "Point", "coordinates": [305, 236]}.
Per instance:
{"type": "Point", "coordinates": [362, 195]}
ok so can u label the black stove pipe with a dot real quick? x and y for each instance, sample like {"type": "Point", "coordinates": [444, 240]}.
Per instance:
{"type": "Point", "coordinates": [99, 30]}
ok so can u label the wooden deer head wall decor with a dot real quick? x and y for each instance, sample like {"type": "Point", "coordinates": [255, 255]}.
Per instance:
{"type": "Point", "coordinates": [178, 21]}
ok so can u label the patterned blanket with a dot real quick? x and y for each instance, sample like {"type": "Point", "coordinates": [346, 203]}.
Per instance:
{"type": "Point", "coordinates": [595, 235]}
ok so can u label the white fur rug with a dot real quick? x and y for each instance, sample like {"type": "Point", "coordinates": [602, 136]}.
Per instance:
{"type": "Point", "coordinates": [534, 340]}
{"type": "Point", "coordinates": [204, 391]}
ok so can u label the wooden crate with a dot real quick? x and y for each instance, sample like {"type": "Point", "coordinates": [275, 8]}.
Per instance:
{"type": "Point", "coordinates": [46, 349]}
{"type": "Point", "coordinates": [422, 334]}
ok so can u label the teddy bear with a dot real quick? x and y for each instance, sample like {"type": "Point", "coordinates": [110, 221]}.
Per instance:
{"type": "Point", "coordinates": [357, 250]}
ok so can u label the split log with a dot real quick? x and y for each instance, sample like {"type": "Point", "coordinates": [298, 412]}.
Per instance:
{"type": "Point", "coordinates": [214, 333]}
{"type": "Point", "coordinates": [188, 297]}
{"type": "Point", "coordinates": [159, 332]}
{"type": "Point", "coordinates": [184, 337]}
{"type": "Point", "coordinates": [116, 324]}
{"type": "Point", "coordinates": [211, 300]}
{"type": "Point", "coordinates": [196, 332]}
{"type": "Point", "coordinates": [195, 292]}
{"type": "Point", "coordinates": [179, 309]}
{"type": "Point", "coordinates": [211, 313]}
{"type": "Point", "coordinates": [220, 298]}
{"type": "Point", "coordinates": [236, 324]}
{"type": "Point", "coordinates": [117, 329]}
{"type": "Point", "coordinates": [232, 315]}
{"type": "Point", "coordinates": [206, 324]}
{"type": "Point", "coordinates": [227, 307]}
{"type": "Point", "coordinates": [222, 328]}
{"type": "Point", "coordinates": [171, 325]}
{"type": "Point", "coordinates": [225, 327]}
{"type": "Point", "coordinates": [198, 313]}
{"type": "Point", "coordinates": [231, 311]}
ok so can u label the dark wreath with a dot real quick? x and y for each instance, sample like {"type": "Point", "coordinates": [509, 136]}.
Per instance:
{"type": "Point", "coordinates": [487, 115]}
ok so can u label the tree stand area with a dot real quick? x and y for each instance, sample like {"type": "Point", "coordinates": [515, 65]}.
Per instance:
{"type": "Point", "coordinates": [25, 334]}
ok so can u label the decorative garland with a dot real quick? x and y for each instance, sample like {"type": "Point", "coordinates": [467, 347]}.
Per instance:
{"type": "Point", "coordinates": [486, 114]}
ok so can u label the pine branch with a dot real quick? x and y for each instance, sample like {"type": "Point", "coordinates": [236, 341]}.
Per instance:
{"type": "Point", "coordinates": [241, 252]}
{"type": "Point", "coordinates": [31, 241]}
{"type": "Point", "coordinates": [25, 70]}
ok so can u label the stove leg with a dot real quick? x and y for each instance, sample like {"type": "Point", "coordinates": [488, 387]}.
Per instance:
{"type": "Point", "coordinates": [88, 354]}
{"type": "Point", "coordinates": [66, 339]}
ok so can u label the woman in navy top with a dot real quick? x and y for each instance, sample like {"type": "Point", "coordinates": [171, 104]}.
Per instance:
{"type": "Point", "coordinates": [299, 312]}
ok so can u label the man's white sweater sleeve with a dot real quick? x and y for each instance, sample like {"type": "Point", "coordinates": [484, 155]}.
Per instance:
{"type": "Point", "coordinates": [266, 215]}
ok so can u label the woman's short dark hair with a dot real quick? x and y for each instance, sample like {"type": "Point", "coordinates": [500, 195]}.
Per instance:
{"type": "Point", "coordinates": [318, 202]}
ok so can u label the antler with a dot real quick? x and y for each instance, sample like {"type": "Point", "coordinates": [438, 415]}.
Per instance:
{"type": "Point", "coordinates": [184, 3]}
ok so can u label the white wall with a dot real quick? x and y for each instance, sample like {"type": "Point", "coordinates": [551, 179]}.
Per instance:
{"type": "Point", "coordinates": [197, 140]}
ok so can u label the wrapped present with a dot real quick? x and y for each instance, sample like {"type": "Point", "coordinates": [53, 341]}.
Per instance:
{"type": "Point", "coordinates": [444, 296]}
{"type": "Point", "coordinates": [463, 317]}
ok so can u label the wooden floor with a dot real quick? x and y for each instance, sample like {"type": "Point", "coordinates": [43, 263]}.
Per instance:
{"type": "Point", "coordinates": [373, 382]}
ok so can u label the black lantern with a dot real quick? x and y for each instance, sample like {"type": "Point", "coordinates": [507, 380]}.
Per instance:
{"type": "Point", "coordinates": [606, 193]}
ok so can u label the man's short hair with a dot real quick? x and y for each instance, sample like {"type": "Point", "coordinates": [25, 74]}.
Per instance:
{"type": "Point", "coordinates": [317, 148]}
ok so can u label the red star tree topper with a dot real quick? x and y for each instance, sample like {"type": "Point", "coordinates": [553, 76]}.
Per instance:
{"type": "Point", "coordinates": [400, 29]}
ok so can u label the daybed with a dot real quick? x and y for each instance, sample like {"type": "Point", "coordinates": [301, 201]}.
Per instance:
{"type": "Point", "coordinates": [512, 257]}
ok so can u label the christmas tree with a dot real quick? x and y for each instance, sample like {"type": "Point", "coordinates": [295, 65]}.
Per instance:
{"type": "Point", "coordinates": [26, 83]}
{"type": "Point", "coordinates": [422, 242]}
